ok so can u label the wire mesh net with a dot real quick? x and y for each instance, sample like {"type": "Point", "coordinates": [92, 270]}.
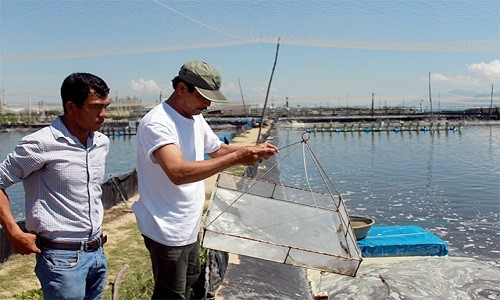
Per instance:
{"type": "Point", "coordinates": [283, 224]}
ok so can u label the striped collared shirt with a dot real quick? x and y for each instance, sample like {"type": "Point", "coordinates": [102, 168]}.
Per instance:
{"type": "Point", "coordinates": [62, 182]}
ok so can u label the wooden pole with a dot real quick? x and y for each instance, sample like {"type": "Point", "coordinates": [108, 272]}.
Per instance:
{"type": "Point", "coordinates": [267, 93]}
{"type": "Point", "coordinates": [491, 102]}
{"type": "Point", "coordinates": [243, 100]}
{"type": "Point", "coordinates": [430, 97]}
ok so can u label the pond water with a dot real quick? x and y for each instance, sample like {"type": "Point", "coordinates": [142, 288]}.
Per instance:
{"type": "Point", "coordinates": [447, 182]}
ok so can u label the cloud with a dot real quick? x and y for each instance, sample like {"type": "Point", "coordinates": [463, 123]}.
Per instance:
{"type": "Point", "coordinates": [457, 80]}
{"type": "Point", "coordinates": [262, 91]}
{"type": "Point", "coordinates": [486, 70]}
{"type": "Point", "coordinates": [463, 93]}
{"type": "Point", "coordinates": [481, 73]}
{"type": "Point", "coordinates": [230, 88]}
{"type": "Point", "coordinates": [144, 86]}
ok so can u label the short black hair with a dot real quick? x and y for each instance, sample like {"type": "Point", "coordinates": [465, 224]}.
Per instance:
{"type": "Point", "coordinates": [77, 87]}
{"type": "Point", "coordinates": [177, 80]}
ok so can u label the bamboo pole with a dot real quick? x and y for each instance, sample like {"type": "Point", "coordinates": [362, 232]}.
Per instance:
{"type": "Point", "coordinates": [267, 93]}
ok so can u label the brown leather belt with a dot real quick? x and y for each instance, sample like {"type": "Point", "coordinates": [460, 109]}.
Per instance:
{"type": "Point", "coordinates": [87, 246]}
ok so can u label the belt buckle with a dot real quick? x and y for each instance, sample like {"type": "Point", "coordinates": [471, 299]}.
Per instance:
{"type": "Point", "coordinates": [89, 246]}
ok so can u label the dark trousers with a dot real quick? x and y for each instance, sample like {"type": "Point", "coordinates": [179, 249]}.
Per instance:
{"type": "Point", "coordinates": [175, 269]}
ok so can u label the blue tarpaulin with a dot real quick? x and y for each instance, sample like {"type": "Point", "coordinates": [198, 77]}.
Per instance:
{"type": "Point", "coordinates": [387, 241]}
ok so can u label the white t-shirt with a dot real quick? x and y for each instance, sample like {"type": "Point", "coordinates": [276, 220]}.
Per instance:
{"type": "Point", "coordinates": [167, 213]}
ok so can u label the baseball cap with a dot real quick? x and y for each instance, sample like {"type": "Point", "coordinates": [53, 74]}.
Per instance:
{"type": "Point", "coordinates": [205, 78]}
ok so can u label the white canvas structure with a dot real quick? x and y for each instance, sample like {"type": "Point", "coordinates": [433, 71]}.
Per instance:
{"type": "Point", "coordinates": [282, 224]}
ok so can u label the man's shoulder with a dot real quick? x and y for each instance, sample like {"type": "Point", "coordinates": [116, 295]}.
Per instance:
{"type": "Point", "coordinates": [37, 141]}
{"type": "Point", "coordinates": [38, 135]}
{"type": "Point", "coordinates": [156, 117]}
{"type": "Point", "coordinates": [101, 137]}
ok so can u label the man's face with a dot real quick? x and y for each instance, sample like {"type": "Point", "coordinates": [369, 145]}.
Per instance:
{"type": "Point", "coordinates": [200, 103]}
{"type": "Point", "coordinates": [91, 115]}
{"type": "Point", "coordinates": [193, 103]}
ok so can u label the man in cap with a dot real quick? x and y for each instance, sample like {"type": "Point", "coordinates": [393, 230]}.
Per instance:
{"type": "Point", "coordinates": [172, 140]}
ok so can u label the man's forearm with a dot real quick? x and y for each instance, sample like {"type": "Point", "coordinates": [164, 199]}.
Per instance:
{"type": "Point", "coordinates": [6, 217]}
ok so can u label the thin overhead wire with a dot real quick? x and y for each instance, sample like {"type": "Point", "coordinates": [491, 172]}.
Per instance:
{"type": "Point", "coordinates": [196, 21]}
{"type": "Point", "coordinates": [358, 24]}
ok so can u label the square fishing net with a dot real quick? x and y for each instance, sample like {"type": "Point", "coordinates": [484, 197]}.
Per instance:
{"type": "Point", "coordinates": [283, 224]}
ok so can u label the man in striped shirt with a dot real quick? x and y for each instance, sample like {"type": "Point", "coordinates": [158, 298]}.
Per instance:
{"type": "Point", "coordinates": [62, 169]}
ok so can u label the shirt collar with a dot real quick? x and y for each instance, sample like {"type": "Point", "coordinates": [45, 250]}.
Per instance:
{"type": "Point", "coordinates": [59, 130]}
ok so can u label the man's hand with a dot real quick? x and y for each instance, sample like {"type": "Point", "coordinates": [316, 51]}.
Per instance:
{"type": "Point", "coordinates": [24, 243]}
{"type": "Point", "coordinates": [257, 153]}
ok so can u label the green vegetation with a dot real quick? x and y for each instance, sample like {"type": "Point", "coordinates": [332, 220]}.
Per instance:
{"type": "Point", "coordinates": [30, 295]}
{"type": "Point", "coordinates": [13, 119]}
{"type": "Point", "coordinates": [125, 246]}
{"type": "Point", "coordinates": [237, 170]}
{"type": "Point", "coordinates": [137, 284]}
{"type": "Point", "coordinates": [128, 249]}
{"type": "Point", "coordinates": [24, 118]}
